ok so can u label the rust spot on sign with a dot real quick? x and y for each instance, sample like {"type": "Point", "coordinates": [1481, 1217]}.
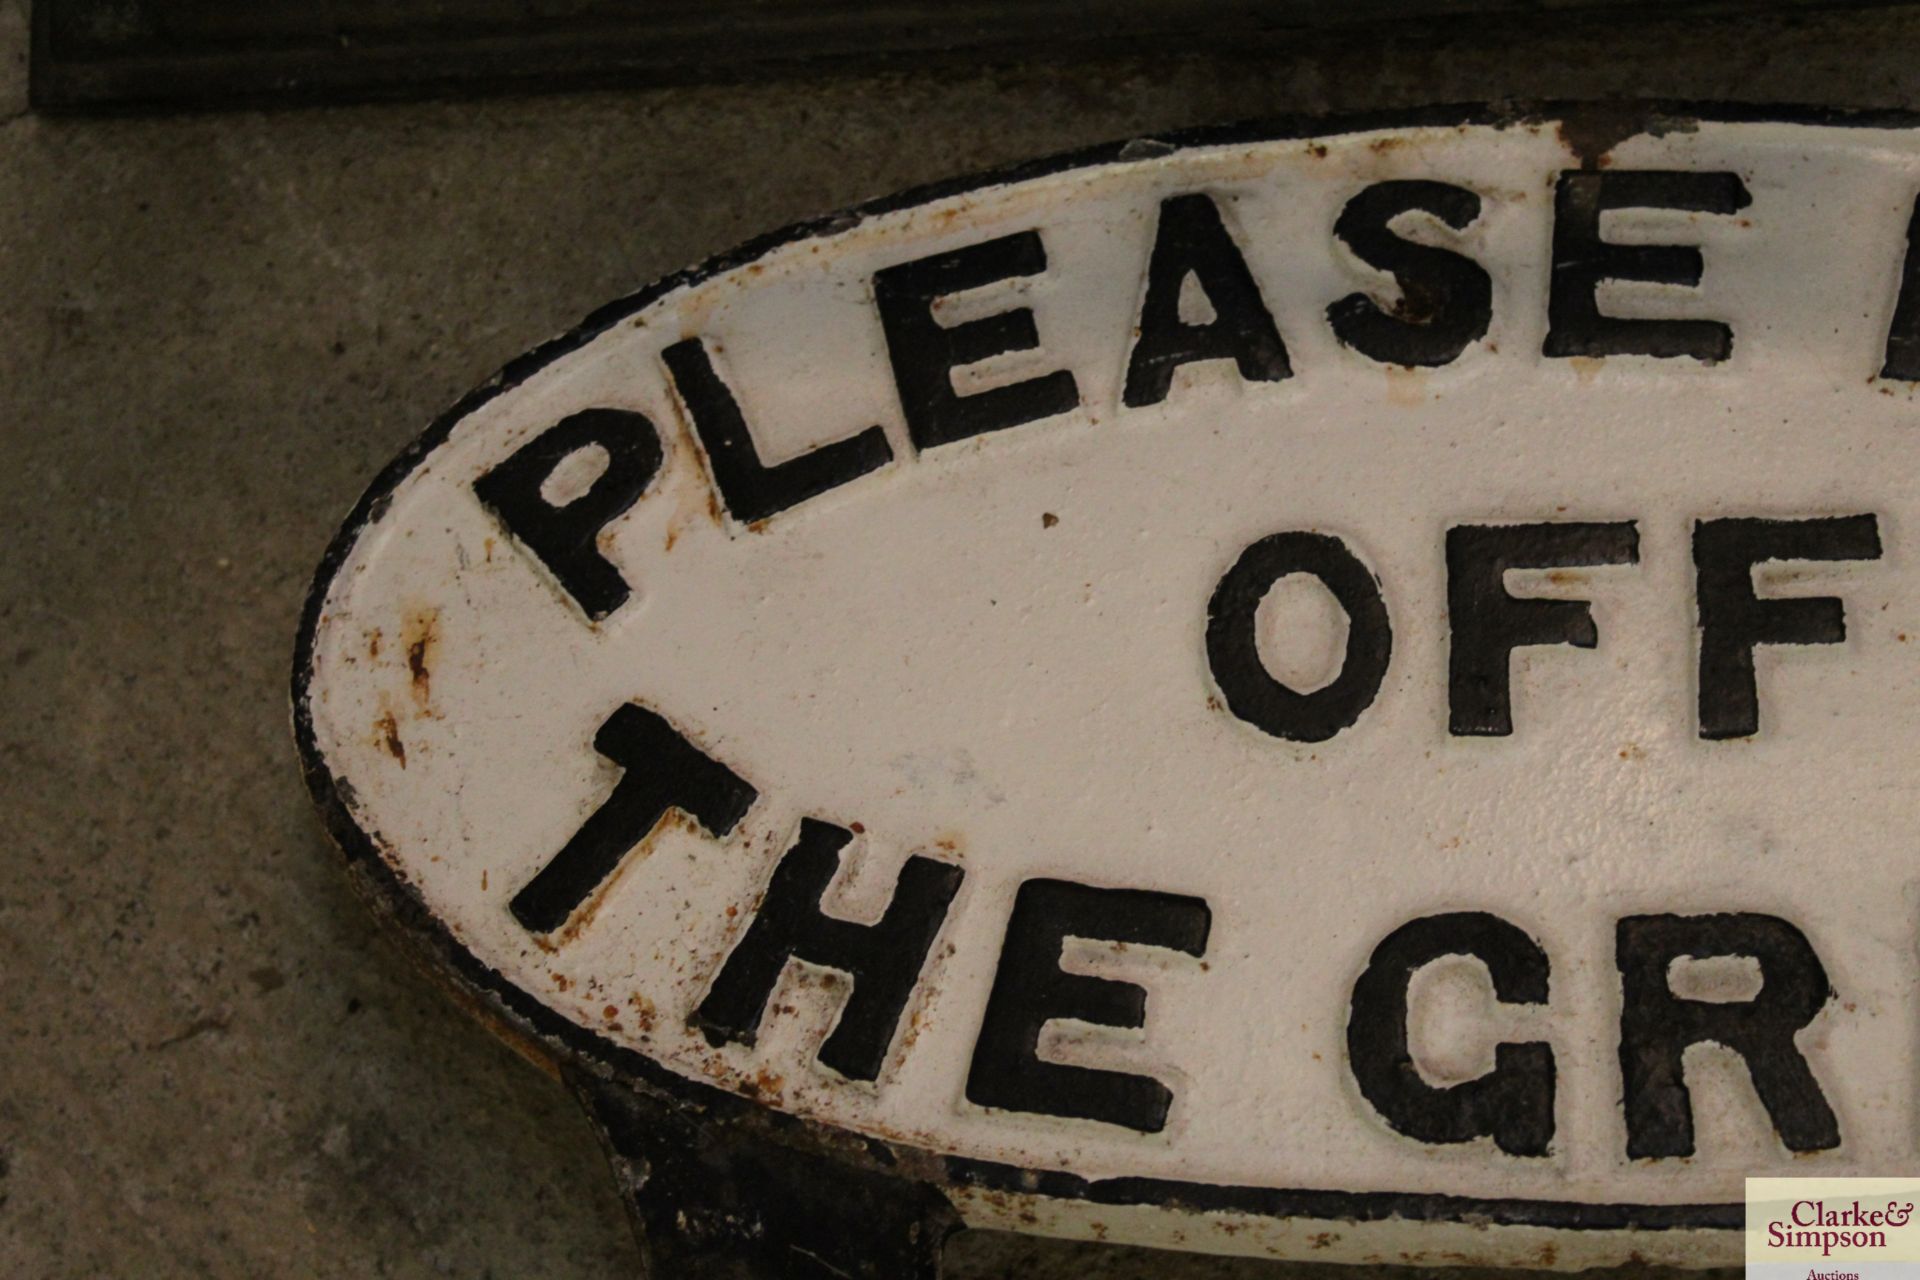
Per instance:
{"type": "Point", "coordinates": [389, 730]}
{"type": "Point", "coordinates": [422, 637]}
{"type": "Point", "coordinates": [766, 1086]}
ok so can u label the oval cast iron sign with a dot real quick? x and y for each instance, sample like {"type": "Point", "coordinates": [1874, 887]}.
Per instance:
{"type": "Point", "coordinates": [1344, 696]}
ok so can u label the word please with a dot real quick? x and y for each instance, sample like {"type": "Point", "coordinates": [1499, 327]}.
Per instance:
{"type": "Point", "coordinates": [1444, 306]}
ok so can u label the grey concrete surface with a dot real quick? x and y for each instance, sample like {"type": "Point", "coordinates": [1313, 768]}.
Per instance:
{"type": "Point", "coordinates": [213, 331]}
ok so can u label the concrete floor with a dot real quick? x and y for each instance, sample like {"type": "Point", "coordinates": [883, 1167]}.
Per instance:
{"type": "Point", "coordinates": [213, 331]}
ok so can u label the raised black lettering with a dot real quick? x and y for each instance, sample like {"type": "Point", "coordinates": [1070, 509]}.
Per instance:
{"type": "Point", "coordinates": [751, 489]}
{"type": "Point", "coordinates": [1513, 1103]}
{"type": "Point", "coordinates": [1581, 260]}
{"type": "Point", "coordinates": [925, 352]}
{"type": "Point", "coordinates": [565, 537]}
{"type": "Point", "coordinates": [1486, 624]}
{"type": "Point", "coordinates": [1733, 619]}
{"type": "Point", "coordinates": [1192, 242]}
{"type": "Point", "coordinates": [1446, 298]}
{"type": "Point", "coordinates": [1656, 1027]}
{"type": "Point", "coordinates": [1903, 334]}
{"type": "Point", "coordinates": [883, 958]}
{"type": "Point", "coordinates": [663, 772]}
{"type": "Point", "coordinates": [1030, 990]}
{"type": "Point", "coordinates": [1233, 651]}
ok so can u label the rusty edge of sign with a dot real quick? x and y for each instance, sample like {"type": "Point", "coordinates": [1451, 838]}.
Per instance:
{"type": "Point", "coordinates": [600, 1070]}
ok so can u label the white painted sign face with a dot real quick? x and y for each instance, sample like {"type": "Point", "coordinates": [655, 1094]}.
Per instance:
{"type": "Point", "coordinates": [1348, 697]}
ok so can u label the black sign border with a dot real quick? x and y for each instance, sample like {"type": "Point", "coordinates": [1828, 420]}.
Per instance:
{"type": "Point", "coordinates": [1589, 128]}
